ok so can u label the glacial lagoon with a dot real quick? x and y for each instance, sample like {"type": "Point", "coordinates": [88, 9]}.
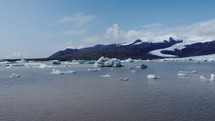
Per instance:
{"type": "Point", "coordinates": [125, 95]}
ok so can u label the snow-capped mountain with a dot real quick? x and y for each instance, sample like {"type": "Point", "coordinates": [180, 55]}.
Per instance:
{"type": "Point", "coordinates": [140, 50]}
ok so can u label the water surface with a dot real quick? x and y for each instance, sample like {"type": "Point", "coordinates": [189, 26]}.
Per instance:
{"type": "Point", "coordinates": [85, 96]}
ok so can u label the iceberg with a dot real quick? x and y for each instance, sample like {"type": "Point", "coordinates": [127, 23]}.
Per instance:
{"type": "Point", "coordinates": [79, 62]}
{"type": "Point", "coordinates": [107, 62]}
{"type": "Point", "coordinates": [55, 71]}
{"type": "Point", "coordinates": [55, 62]}
{"type": "Point", "coordinates": [152, 76]}
{"type": "Point", "coordinates": [21, 62]}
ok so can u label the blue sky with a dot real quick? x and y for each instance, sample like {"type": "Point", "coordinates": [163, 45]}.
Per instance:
{"type": "Point", "coordinates": [38, 28]}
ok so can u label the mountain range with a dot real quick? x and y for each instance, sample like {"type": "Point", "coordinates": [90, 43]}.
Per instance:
{"type": "Point", "coordinates": [139, 50]}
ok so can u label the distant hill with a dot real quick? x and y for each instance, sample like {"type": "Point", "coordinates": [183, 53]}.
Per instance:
{"type": "Point", "coordinates": [139, 50]}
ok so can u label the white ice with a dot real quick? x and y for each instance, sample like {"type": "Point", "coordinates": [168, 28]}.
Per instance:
{"type": "Point", "coordinates": [182, 74]}
{"type": "Point", "coordinates": [124, 79]}
{"type": "Point", "coordinates": [185, 73]}
{"type": "Point", "coordinates": [35, 65]}
{"type": "Point", "coordinates": [55, 71]}
{"type": "Point", "coordinates": [212, 77]}
{"type": "Point", "coordinates": [106, 75]}
{"type": "Point", "coordinates": [107, 62]}
{"type": "Point", "coordinates": [93, 69]}
{"type": "Point", "coordinates": [152, 76]}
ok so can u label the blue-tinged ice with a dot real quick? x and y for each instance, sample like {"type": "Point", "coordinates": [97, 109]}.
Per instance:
{"type": "Point", "coordinates": [107, 62]}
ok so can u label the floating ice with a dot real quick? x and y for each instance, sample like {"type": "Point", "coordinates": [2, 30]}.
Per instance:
{"type": "Point", "coordinates": [107, 62]}
{"type": "Point", "coordinates": [93, 69]}
{"type": "Point", "coordinates": [203, 78]}
{"type": "Point", "coordinates": [37, 65]}
{"type": "Point", "coordinates": [55, 62]}
{"type": "Point", "coordinates": [212, 77]}
{"type": "Point", "coordinates": [152, 76]}
{"type": "Point", "coordinates": [182, 74]}
{"type": "Point", "coordinates": [14, 75]}
{"type": "Point", "coordinates": [142, 66]}
{"type": "Point", "coordinates": [106, 75]}
{"type": "Point", "coordinates": [22, 61]}
{"type": "Point", "coordinates": [188, 72]}
{"type": "Point", "coordinates": [55, 71]}
{"type": "Point", "coordinates": [124, 79]}
{"type": "Point", "coordinates": [89, 62]}
{"type": "Point", "coordinates": [9, 66]}
{"type": "Point", "coordinates": [129, 60]}
{"type": "Point", "coordinates": [79, 62]}
{"type": "Point", "coordinates": [15, 65]}
{"type": "Point", "coordinates": [185, 73]}
{"type": "Point", "coordinates": [4, 62]}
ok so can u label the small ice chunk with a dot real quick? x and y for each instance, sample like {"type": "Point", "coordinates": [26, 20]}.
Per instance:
{"type": "Point", "coordinates": [33, 64]}
{"type": "Point", "coordinates": [93, 69]}
{"type": "Point", "coordinates": [55, 71]}
{"type": "Point", "coordinates": [55, 62]}
{"type": "Point", "coordinates": [212, 77]}
{"type": "Point", "coordinates": [188, 72]}
{"type": "Point", "coordinates": [10, 66]}
{"type": "Point", "coordinates": [182, 74]}
{"type": "Point", "coordinates": [14, 75]}
{"type": "Point", "coordinates": [193, 72]}
{"type": "Point", "coordinates": [142, 66]}
{"type": "Point", "coordinates": [107, 62]}
{"type": "Point", "coordinates": [129, 60]}
{"type": "Point", "coordinates": [124, 79]}
{"type": "Point", "coordinates": [106, 75]}
{"type": "Point", "coordinates": [42, 66]}
{"type": "Point", "coordinates": [152, 76]}
{"type": "Point", "coordinates": [203, 78]}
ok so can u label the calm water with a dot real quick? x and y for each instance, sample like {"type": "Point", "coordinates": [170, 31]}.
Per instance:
{"type": "Point", "coordinates": [85, 96]}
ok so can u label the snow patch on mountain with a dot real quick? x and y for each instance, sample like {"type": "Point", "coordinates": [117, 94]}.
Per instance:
{"type": "Point", "coordinates": [178, 46]}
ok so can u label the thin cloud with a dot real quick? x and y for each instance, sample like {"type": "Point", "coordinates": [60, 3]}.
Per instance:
{"type": "Point", "coordinates": [77, 19]}
{"type": "Point", "coordinates": [75, 32]}
{"type": "Point", "coordinates": [198, 32]}
{"type": "Point", "coordinates": [79, 24]}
